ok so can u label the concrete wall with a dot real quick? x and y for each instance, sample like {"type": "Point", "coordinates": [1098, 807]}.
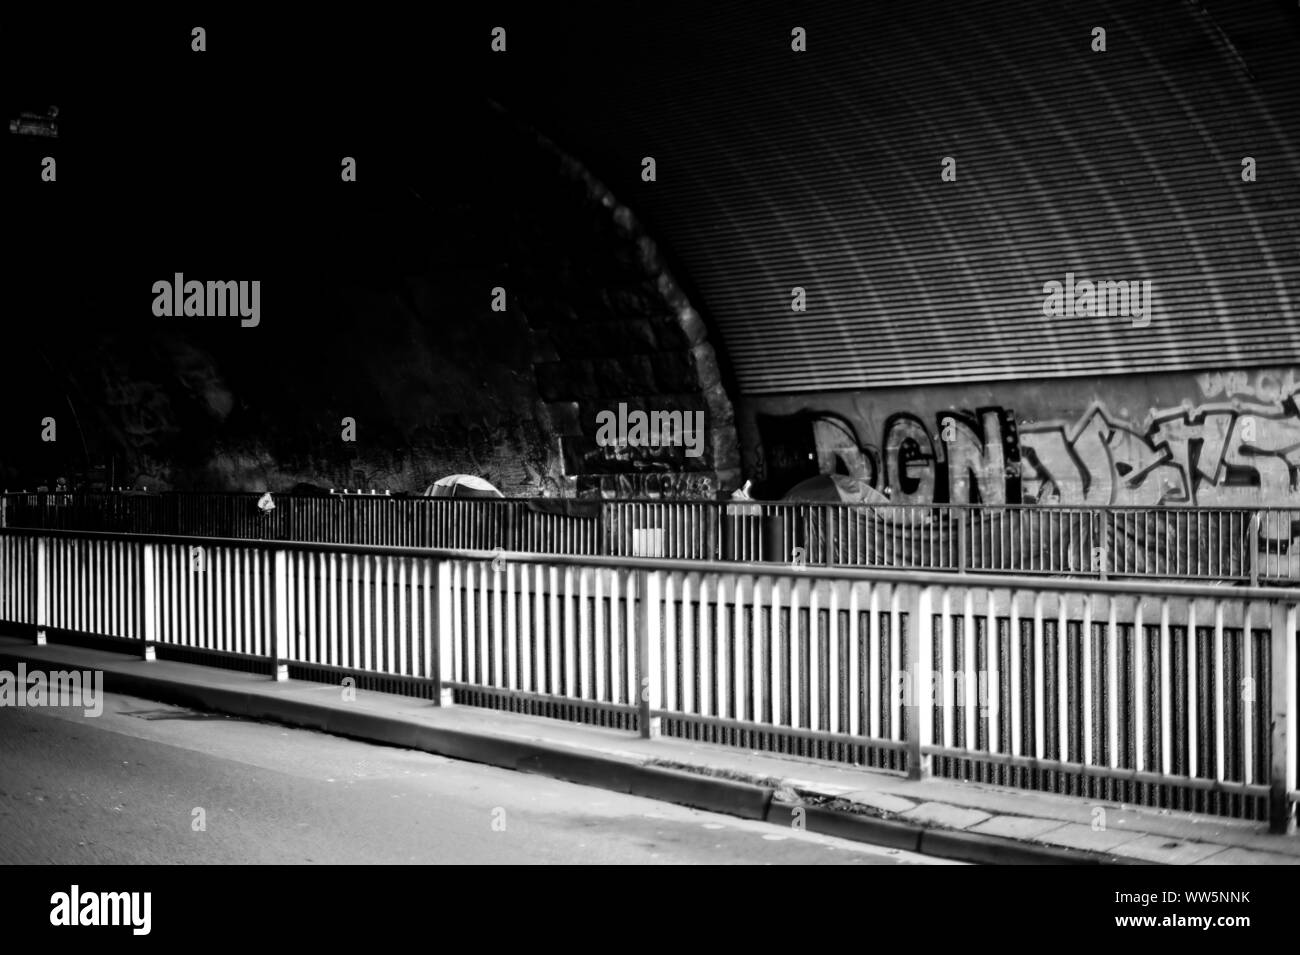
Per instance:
{"type": "Point", "coordinates": [1225, 437]}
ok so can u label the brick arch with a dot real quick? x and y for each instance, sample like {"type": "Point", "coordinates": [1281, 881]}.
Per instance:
{"type": "Point", "coordinates": [378, 308]}
{"type": "Point", "coordinates": [623, 331]}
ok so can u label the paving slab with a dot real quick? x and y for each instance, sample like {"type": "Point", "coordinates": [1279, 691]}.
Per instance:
{"type": "Point", "coordinates": [1016, 827]}
{"type": "Point", "coordinates": [1078, 836]}
{"type": "Point", "coordinates": [1168, 851]}
{"type": "Point", "coordinates": [886, 802]}
{"type": "Point", "coordinates": [945, 814]}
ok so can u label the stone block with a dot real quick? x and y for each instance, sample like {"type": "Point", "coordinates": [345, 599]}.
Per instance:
{"type": "Point", "coordinates": [670, 292]}
{"type": "Point", "coordinates": [562, 417]}
{"type": "Point", "coordinates": [692, 325]}
{"type": "Point", "coordinates": [630, 301]}
{"type": "Point", "coordinates": [674, 371]}
{"type": "Point", "coordinates": [706, 365]}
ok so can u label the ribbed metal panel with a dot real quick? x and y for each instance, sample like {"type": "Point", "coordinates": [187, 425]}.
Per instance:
{"type": "Point", "coordinates": [822, 170]}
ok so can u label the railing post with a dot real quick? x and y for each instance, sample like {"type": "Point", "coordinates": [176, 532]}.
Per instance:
{"type": "Point", "coordinates": [963, 512]}
{"type": "Point", "coordinates": [148, 603]}
{"type": "Point", "coordinates": [40, 594]}
{"type": "Point", "coordinates": [649, 680]}
{"type": "Point", "coordinates": [1282, 764]}
{"type": "Point", "coordinates": [280, 615]}
{"type": "Point", "coordinates": [1105, 544]}
{"type": "Point", "coordinates": [1252, 547]}
{"type": "Point", "coordinates": [917, 683]}
{"type": "Point", "coordinates": [442, 674]}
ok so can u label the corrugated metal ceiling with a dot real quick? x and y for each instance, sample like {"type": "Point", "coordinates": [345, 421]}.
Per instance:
{"type": "Point", "coordinates": [822, 170]}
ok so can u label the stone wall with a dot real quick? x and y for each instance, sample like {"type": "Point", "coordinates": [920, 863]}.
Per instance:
{"type": "Point", "coordinates": [378, 306]}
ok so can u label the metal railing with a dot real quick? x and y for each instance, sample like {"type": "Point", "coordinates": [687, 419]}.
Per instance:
{"type": "Point", "coordinates": [1232, 545]}
{"type": "Point", "coordinates": [1150, 693]}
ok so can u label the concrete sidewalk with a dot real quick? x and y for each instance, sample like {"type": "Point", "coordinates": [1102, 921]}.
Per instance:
{"type": "Point", "coordinates": [939, 817]}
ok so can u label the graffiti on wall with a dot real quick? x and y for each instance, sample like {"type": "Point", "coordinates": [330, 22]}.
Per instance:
{"type": "Point", "coordinates": [1220, 455]}
{"type": "Point", "coordinates": [1227, 452]}
{"type": "Point", "coordinates": [652, 485]}
{"type": "Point", "coordinates": [624, 470]}
{"type": "Point", "coordinates": [969, 456]}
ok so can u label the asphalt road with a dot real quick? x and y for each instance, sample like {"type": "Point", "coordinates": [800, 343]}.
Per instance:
{"type": "Point", "coordinates": [147, 783]}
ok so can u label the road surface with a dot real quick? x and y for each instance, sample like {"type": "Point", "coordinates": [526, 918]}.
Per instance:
{"type": "Point", "coordinates": [150, 783]}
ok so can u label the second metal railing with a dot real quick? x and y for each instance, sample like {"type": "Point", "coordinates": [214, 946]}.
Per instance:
{"type": "Point", "coordinates": [1232, 545]}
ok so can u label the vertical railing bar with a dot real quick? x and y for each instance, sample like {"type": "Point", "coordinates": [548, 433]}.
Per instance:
{"type": "Point", "coordinates": [969, 674]}
{"type": "Point", "coordinates": [738, 649]}
{"type": "Point", "coordinates": [1139, 687]}
{"type": "Point", "coordinates": [1193, 682]}
{"type": "Point", "coordinates": [1247, 686]}
{"type": "Point", "coordinates": [644, 587]}
{"type": "Point", "coordinates": [920, 639]}
{"type": "Point", "coordinates": [1062, 679]}
{"type": "Point", "coordinates": [1166, 691]}
{"type": "Point", "coordinates": [1220, 700]}
{"type": "Point", "coordinates": [993, 672]}
{"type": "Point", "coordinates": [1283, 756]}
{"type": "Point", "coordinates": [1039, 685]}
{"type": "Point", "coordinates": [1086, 694]}
{"type": "Point", "coordinates": [1015, 657]}
{"type": "Point", "coordinates": [948, 650]}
